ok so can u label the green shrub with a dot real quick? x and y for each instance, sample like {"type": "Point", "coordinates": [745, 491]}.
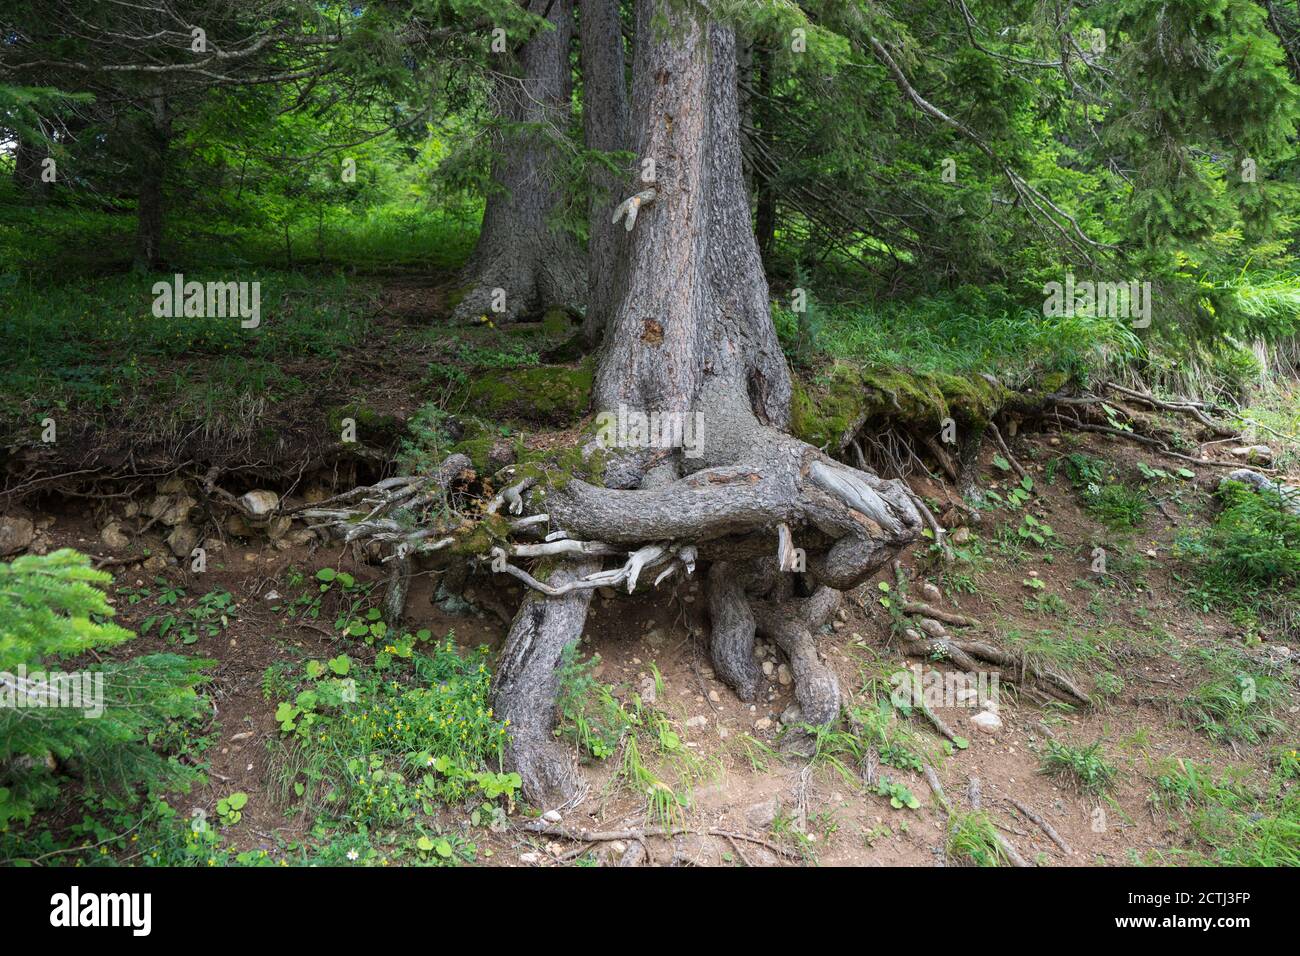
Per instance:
{"type": "Point", "coordinates": [128, 712]}
{"type": "Point", "coordinates": [1252, 547]}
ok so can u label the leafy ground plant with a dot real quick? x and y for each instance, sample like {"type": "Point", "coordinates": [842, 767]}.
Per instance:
{"type": "Point", "coordinates": [1084, 768]}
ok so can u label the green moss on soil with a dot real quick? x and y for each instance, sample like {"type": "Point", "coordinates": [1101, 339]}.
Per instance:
{"type": "Point", "coordinates": [477, 449]}
{"type": "Point", "coordinates": [374, 428]}
{"type": "Point", "coordinates": [489, 532]}
{"type": "Point", "coordinates": [555, 467]}
{"type": "Point", "coordinates": [545, 394]}
{"type": "Point", "coordinates": [555, 323]}
{"type": "Point", "coordinates": [829, 410]}
{"type": "Point", "coordinates": [455, 296]}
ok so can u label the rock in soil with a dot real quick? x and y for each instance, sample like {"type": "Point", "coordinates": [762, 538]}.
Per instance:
{"type": "Point", "coordinates": [1260, 454]}
{"type": "Point", "coordinates": [15, 535]}
{"type": "Point", "coordinates": [183, 539]}
{"type": "Point", "coordinates": [761, 815]}
{"type": "Point", "coordinates": [114, 538]}
{"type": "Point", "coordinates": [237, 526]}
{"type": "Point", "coordinates": [649, 694]}
{"type": "Point", "coordinates": [171, 510]}
{"type": "Point", "coordinates": [259, 502]}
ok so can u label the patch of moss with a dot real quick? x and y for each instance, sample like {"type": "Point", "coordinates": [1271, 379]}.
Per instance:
{"type": "Point", "coordinates": [478, 450]}
{"type": "Point", "coordinates": [1054, 381]}
{"type": "Point", "coordinates": [454, 298]}
{"type": "Point", "coordinates": [827, 415]}
{"type": "Point", "coordinates": [829, 411]}
{"type": "Point", "coordinates": [489, 532]}
{"type": "Point", "coordinates": [555, 467]}
{"type": "Point", "coordinates": [971, 399]}
{"type": "Point", "coordinates": [372, 427]}
{"type": "Point", "coordinates": [546, 394]}
{"type": "Point", "coordinates": [555, 323]}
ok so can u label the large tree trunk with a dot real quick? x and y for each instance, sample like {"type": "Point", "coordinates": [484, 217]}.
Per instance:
{"type": "Point", "coordinates": [695, 318]}
{"type": "Point", "coordinates": [694, 334]}
{"type": "Point", "coordinates": [605, 128]}
{"type": "Point", "coordinates": [155, 140]}
{"type": "Point", "coordinates": [520, 251]}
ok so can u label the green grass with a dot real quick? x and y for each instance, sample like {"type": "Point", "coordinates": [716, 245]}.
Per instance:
{"type": "Point", "coordinates": [654, 762]}
{"type": "Point", "coordinates": [95, 346]}
{"type": "Point", "coordinates": [1237, 700]}
{"type": "Point", "coordinates": [1226, 819]}
{"type": "Point", "coordinates": [1070, 649]}
{"type": "Point", "coordinates": [590, 717]}
{"type": "Point", "coordinates": [52, 240]}
{"type": "Point", "coordinates": [1085, 768]}
{"type": "Point", "coordinates": [972, 840]}
{"type": "Point", "coordinates": [970, 330]}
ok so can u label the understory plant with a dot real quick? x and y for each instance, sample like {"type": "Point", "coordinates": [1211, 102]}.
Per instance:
{"type": "Point", "coordinates": [89, 731]}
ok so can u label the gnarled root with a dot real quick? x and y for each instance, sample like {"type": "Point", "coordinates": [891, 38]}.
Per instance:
{"type": "Point", "coordinates": [772, 510]}
{"type": "Point", "coordinates": [973, 655]}
{"type": "Point", "coordinates": [527, 683]}
{"type": "Point", "coordinates": [732, 644]}
{"type": "Point", "coordinates": [792, 625]}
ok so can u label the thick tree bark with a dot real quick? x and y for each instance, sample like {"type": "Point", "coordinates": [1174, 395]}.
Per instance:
{"type": "Point", "coordinates": [695, 318]}
{"type": "Point", "coordinates": [605, 124]}
{"type": "Point", "coordinates": [520, 251]}
{"type": "Point", "coordinates": [693, 334]}
{"type": "Point", "coordinates": [526, 684]}
{"type": "Point", "coordinates": [155, 140]}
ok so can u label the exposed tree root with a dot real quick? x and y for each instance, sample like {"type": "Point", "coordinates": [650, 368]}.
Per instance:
{"type": "Point", "coordinates": [527, 682]}
{"type": "Point", "coordinates": [1006, 452]}
{"type": "Point", "coordinates": [791, 624]}
{"type": "Point", "coordinates": [977, 655]}
{"type": "Point", "coordinates": [936, 788]}
{"type": "Point", "coordinates": [639, 834]}
{"type": "Point", "coordinates": [1042, 824]}
{"type": "Point", "coordinates": [968, 460]}
{"type": "Point", "coordinates": [732, 644]}
{"type": "Point", "coordinates": [1160, 446]}
{"type": "Point", "coordinates": [1196, 410]}
{"type": "Point", "coordinates": [947, 617]}
{"type": "Point", "coordinates": [848, 524]}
